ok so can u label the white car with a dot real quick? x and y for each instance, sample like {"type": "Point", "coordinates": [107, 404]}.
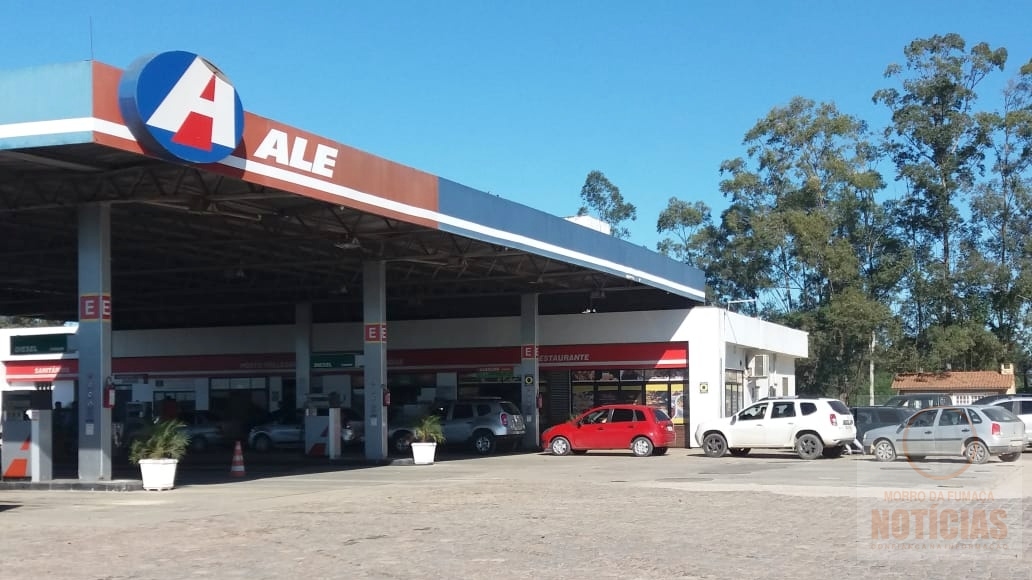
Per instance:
{"type": "Point", "coordinates": [1020, 405]}
{"type": "Point", "coordinates": [814, 427]}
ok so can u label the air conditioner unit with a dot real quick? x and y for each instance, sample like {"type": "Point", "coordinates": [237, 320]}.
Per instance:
{"type": "Point", "coordinates": [759, 366]}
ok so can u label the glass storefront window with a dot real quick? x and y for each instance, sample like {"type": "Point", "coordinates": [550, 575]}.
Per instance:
{"type": "Point", "coordinates": [734, 391]}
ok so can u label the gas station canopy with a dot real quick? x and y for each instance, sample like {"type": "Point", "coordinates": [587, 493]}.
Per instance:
{"type": "Point", "coordinates": [284, 217]}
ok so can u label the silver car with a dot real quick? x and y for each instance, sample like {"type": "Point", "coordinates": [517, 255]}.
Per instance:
{"type": "Point", "coordinates": [482, 423]}
{"type": "Point", "coordinates": [286, 429]}
{"type": "Point", "coordinates": [972, 431]}
{"type": "Point", "coordinates": [204, 428]}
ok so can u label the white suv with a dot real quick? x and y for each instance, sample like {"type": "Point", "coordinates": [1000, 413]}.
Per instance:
{"type": "Point", "coordinates": [814, 427]}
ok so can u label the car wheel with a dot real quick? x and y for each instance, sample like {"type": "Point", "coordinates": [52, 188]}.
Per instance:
{"type": "Point", "coordinates": [580, 451]}
{"type": "Point", "coordinates": [560, 446]}
{"type": "Point", "coordinates": [641, 447]}
{"type": "Point", "coordinates": [262, 444]}
{"type": "Point", "coordinates": [740, 451]}
{"type": "Point", "coordinates": [833, 452]}
{"type": "Point", "coordinates": [402, 442]}
{"type": "Point", "coordinates": [884, 450]}
{"type": "Point", "coordinates": [976, 452]}
{"type": "Point", "coordinates": [1009, 457]}
{"type": "Point", "coordinates": [198, 444]}
{"type": "Point", "coordinates": [809, 446]}
{"type": "Point", "coordinates": [659, 451]}
{"type": "Point", "coordinates": [714, 445]}
{"type": "Point", "coordinates": [483, 442]}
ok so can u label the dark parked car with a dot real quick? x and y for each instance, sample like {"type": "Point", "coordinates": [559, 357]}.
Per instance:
{"type": "Point", "coordinates": [918, 401]}
{"type": "Point", "coordinates": [867, 418]}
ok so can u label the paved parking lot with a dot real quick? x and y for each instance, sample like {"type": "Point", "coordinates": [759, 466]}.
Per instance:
{"type": "Point", "coordinates": [593, 516]}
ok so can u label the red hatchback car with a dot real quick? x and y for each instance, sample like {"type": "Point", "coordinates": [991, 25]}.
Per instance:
{"type": "Point", "coordinates": [644, 430]}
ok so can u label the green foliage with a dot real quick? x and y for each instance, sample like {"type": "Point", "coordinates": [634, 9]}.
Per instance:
{"type": "Point", "coordinates": [809, 235]}
{"type": "Point", "coordinates": [692, 229]}
{"type": "Point", "coordinates": [428, 430]}
{"type": "Point", "coordinates": [162, 440]}
{"type": "Point", "coordinates": [599, 195]}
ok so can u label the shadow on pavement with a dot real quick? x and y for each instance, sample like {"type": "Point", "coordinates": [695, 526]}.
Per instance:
{"type": "Point", "coordinates": [213, 466]}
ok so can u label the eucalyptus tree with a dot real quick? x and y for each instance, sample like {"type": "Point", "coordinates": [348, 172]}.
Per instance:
{"type": "Point", "coordinates": [600, 195]}
{"type": "Point", "coordinates": [804, 233]}
{"type": "Point", "coordinates": [938, 148]}
{"type": "Point", "coordinates": [997, 263]}
{"type": "Point", "coordinates": [689, 229]}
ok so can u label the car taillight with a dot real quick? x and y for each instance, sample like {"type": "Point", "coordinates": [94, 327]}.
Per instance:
{"type": "Point", "coordinates": [834, 420]}
{"type": "Point", "coordinates": [505, 420]}
{"type": "Point", "coordinates": [996, 430]}
{"type": "Point", "coordinates": [668, 425]}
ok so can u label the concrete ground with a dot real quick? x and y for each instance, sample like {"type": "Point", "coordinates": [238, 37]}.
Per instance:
{"type": "Point", "coordinates": [602, 515]}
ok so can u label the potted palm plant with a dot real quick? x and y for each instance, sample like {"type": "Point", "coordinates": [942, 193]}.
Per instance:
{"type": "Point", "coordinates": [158, 451]}
{"type": "Point", "coordinates": [426, 434]}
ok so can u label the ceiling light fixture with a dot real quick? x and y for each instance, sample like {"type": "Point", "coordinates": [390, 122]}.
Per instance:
{"type": "Point", "coordinates": [352, 244]}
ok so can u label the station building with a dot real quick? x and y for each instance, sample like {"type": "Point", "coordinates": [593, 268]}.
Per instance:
{"type": "Point", "coordinates": [240, 265]}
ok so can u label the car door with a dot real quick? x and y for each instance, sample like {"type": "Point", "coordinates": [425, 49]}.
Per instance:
{"type": "Point", "coordinates": [748, 429]}
{"type": "Point", "coordinates": [781, 426]}
{"type": "Point", "coordinates": [458, 428]}
{"type": "Point", "coordinates": [951, 430]}
{"type": "Point", "coordinates": [917, 438]}
{"type": "Point", "coordinates": [288, 428]}
{"type": "Point", "coordinates": [620, 429]}
{"type": "Point", "coordinates": [590, 433]}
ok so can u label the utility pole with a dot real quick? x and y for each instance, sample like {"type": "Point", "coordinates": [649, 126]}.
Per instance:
{"type": "Point", "coordinates": [871, 368]}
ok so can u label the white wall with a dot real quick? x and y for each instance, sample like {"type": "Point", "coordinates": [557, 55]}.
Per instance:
{"type": "Point", "coordinates": [704, 333]}
{"type": "Point", "coordinates": [716, 339]}
{"type": "Point", "coordinates": [223, 340]}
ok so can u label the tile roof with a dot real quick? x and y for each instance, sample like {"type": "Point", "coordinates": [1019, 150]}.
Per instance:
{"type": "Point", "coordinates": [953, 381]}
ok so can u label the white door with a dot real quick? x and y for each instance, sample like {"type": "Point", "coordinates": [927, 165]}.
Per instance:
{"type": "Point", "coordinates": [750, 428]}
{"type": "Point", "coordinates": [781, 426]}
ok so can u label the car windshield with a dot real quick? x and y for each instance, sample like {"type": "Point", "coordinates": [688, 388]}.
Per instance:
{"type": "Point", "coordinates": [1000, 415]}
{"type": "Point", "coordinates": [509, 408]}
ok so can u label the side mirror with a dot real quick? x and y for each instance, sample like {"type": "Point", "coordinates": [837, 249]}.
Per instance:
{"type": "Point", "coordinates": [900, 428]}
{"type": "Point", "coordinates": [734, 419]}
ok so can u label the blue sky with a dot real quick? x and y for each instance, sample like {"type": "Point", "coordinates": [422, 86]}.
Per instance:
{"type": "Point", "coordinates": [523, 99]}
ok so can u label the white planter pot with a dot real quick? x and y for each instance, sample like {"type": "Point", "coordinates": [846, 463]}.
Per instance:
{"type": "Point", "coordinates": [158, 474]}
{"type": "Point", "coordinates": [423, 453]}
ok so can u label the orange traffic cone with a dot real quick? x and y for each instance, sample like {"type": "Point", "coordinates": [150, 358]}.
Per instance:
{"type": "Point", "coordinates": [237, 468]}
